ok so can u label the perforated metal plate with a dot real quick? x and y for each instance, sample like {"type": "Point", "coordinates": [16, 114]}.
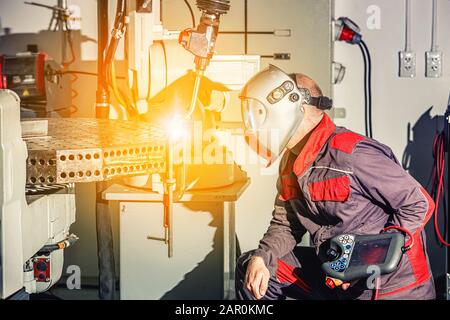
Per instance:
{"type": "Point", "coordinates": [85, 150]}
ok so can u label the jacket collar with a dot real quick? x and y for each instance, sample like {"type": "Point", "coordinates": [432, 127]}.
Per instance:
{"type": "Point", "coordinates": [315, 143]}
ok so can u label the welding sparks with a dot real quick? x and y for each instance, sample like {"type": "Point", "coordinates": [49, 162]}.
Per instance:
{"type": "Point", "coordinates": [176, 128]}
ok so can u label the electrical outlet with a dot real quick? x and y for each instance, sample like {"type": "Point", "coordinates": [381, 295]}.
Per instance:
{"type": "Point", "coordinates": [434, 64]}
{"type": "Point", "coordinates": [339, 113]}
{"type": "Point", "coordinates": [407, 64]}
{"type": "Point", "coordinates": [144, 6]}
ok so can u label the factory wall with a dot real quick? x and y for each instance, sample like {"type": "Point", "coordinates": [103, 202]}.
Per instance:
{"type": "Point", "coordinates": [407, 112]}
{"type": "Point", "coordinates": [176, 16]}
{"type": "Point", "coordinates": [397, 101]}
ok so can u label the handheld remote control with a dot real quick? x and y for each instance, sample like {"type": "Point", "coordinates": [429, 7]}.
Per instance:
{"type": "Point", "coordinates": [351, 255]}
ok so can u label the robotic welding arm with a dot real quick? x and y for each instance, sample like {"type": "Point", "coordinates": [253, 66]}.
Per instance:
{"type": "Point", "coordinates": [202, 42]}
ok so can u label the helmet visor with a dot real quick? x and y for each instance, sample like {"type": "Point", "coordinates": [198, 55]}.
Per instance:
{"type": "Point", "coordinates": [254, 114]}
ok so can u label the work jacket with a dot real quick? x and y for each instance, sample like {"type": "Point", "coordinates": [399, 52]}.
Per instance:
{"type": "Point", "coordinates": [342, 182]}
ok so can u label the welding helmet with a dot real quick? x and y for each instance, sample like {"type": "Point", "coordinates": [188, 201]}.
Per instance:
{"type": "Point", "coordinates": [272, 110]}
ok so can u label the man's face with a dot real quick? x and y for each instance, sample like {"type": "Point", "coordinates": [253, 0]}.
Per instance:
{"type": "Point", "coordinates": [312, 117]}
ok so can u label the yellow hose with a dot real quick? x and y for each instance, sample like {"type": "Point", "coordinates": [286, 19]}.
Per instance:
{"type": "Point", "coordinates": [116, 92]}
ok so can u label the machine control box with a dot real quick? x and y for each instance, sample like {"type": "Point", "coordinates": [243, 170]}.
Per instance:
{"type": "Point", "coordinates": [24, 74]}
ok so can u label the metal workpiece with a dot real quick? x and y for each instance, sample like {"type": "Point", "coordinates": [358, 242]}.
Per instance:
{"type": "Point", "coordinates": [87, 150]}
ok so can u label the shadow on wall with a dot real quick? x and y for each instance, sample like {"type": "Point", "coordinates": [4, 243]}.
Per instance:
{"type": "Point", "coordinates": [205, 281]}
{"type": "Point", "coordinates": [418, 160]}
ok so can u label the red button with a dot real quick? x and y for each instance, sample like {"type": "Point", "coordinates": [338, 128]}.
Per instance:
{"type": "Point", "coordinates": [330, 283]}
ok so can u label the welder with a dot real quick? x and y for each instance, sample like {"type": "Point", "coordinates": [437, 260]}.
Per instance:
{"type": "Point", "coordinates": [331, 181]}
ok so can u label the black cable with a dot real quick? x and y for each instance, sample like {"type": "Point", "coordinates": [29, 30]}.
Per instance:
{"type": "Point", "coordinates": [71, 47]}
{"type": "Point", "coordinates": [72, 110]}
{"type": "Point", "coordinates": [102, 100]}
{"type": "Point", "coordinates": [246, 26]}
{"type": "Point", "coordinates": [194, 24]}
{"type": "Point", "coordinates": [78, 72]}
{"type": "Point", "coordinates": [35, 105]}
{"type": "Point", "coordinates": [119, 27]}
{"type": "Point", "coordinates": [129, 106]}
{"type": "Point", "coordinates": [166, 64]}
{"type": "Point", "coordinates": [248, 32]}
{"type": "Point", "coordinates": [365, 90]}
{"type": "Point", "coordinates": [86, 73]}
{"type": "Point", "coordinates": [119, 30]}
{"type": "Point", "coordinates": [369, 84]}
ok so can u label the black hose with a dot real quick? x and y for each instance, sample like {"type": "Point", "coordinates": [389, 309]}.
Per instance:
{"type": "Point", "coordinates": [110, 54]}
{"type": "Point", "coordinates": [367, 89]}
{"type": "Point", "coordinates": [246, 27]}
{"type": "Point", "coordinates": [369, 85]}
{"type": "Point", "coordinates": [47, 249]}
{"type": "Point", "coordinates": [119, 26]}
{"type": "Point", "coordinates": [102, 95]}
{"type": "Point", "coordinates": [105, 252]}
{"type": "Point", "coordinates": [366, 124]}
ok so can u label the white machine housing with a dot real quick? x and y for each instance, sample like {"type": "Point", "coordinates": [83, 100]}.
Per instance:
{"type": "Point", "coordinates": [25, 228]}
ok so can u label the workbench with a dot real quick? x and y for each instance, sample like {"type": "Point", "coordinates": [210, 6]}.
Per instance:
{"type": "Point", "coordinates": [204, 259]}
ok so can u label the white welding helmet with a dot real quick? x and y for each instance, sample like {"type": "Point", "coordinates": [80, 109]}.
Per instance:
{"type": "Point", "coordinates": [271, 110]}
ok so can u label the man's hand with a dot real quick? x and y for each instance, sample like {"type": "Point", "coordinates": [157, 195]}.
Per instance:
{"type": "Point", "coordinates": [257, 277]}
{"type": "Point", "coordinates": [332, 283]}
{"type": "Point", "coordinates": [345, 286]}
